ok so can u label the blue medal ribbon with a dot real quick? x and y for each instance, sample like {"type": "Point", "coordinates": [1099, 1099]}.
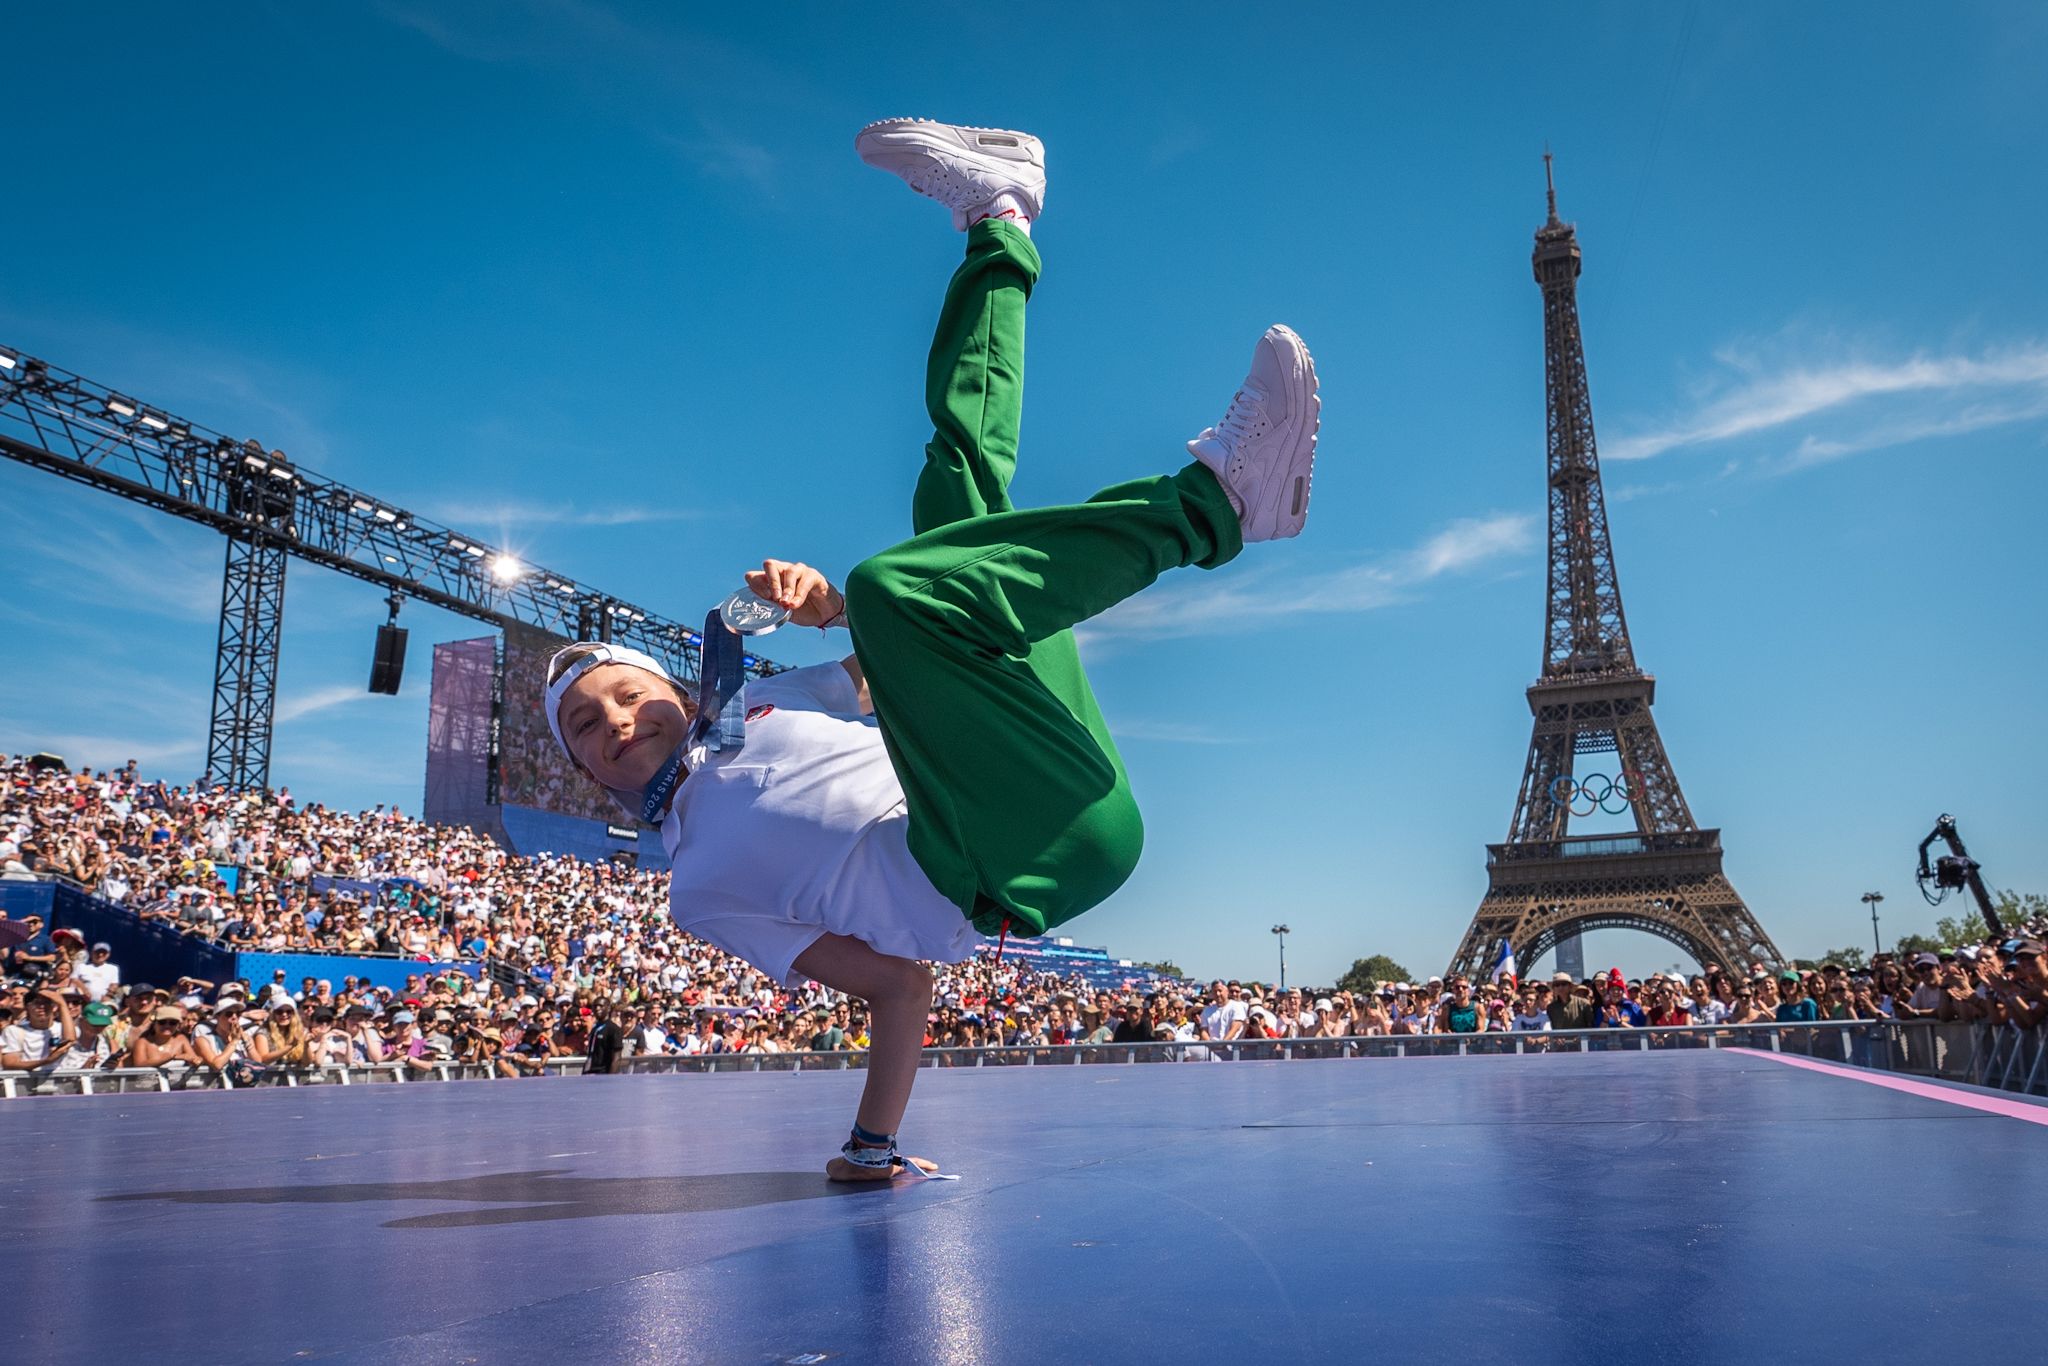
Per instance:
{"type": "Point", "coordinates": [721, 676]}
{"type": "Point", "coordinates": [662, 786]}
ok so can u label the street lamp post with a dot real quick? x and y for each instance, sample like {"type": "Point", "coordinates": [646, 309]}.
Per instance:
{"type": "Point", "coordinates": [1871, 899]}
{"type": "Point", "coordinates": [1281, 932]}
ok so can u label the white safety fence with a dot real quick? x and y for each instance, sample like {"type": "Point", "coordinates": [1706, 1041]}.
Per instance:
{"type": "Point", "coordinates": [2002, 1057]}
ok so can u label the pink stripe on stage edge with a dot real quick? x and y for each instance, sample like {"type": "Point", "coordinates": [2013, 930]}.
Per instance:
{"type": "Point", "coordinates": [1994, 1105]}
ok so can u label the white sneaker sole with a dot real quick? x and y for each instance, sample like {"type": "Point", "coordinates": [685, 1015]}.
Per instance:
{"type": "Point", "coordinates": [1014, 151]}
{"type": "Point", "coordinates": [1002, 153]}
{"type": "Point", "coordinates": [1276, 507]}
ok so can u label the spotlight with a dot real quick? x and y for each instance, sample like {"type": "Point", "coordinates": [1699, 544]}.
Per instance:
{"type": "Point", "coordinates": [505, 569]}
{"type": "Point", "coordinates": [179, 431]}
{"type": "Point", "coordinates": [8, 360]}
{"type": "Point", "coordinates": [361, 505]}
{"type": "Point", "coordinates": [119, 406]}
{"type": "Point", "coordinates": [387, 515]}
{"type": "Point", "coordinates": [155, 421]}
{"type": "Point", "coordinates": [255, 462]}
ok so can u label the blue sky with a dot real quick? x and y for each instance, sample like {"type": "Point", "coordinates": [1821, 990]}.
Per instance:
{"type": "Point", "coordinates": [605, 285]}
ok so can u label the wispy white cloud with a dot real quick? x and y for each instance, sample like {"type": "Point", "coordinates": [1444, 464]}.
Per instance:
{"type": "Point", "coordinates": [1976, 417]}
{"type": "Point", "coordinates": [319, 700]}
{"type": "Point", "coordinates": [1214, 604]}
{"type": "Point", "coordinates": [1881, 402]}
{"type": "Point", "coordinates": [1174, 733]}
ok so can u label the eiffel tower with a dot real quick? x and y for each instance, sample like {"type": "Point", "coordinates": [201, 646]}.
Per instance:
{"type": "Point", "coordinates": [1546, 886]}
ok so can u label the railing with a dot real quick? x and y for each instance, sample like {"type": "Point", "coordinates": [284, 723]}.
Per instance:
{"type": "Point", "coordinates": [1921, 1047]}
{"type": "Point", "coordinates": [120, 1080]}
{"type": "Point", "coordinates": [1577, 846]}
{"type": "Point", "coordinates": [2004, 1057]}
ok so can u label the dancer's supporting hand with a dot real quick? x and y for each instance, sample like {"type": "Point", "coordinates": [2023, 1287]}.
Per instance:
{"type": "Point", "coordinates": [811, 600]}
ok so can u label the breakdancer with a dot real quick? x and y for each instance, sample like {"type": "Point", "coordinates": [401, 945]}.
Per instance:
{"type": "Point", "coordinates": [953, 777]}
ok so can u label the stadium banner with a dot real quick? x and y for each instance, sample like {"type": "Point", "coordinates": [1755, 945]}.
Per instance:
{"type": "Point", "coordinates": [259, 968]}
{"type": "Point", "coordinates": [459, 733]}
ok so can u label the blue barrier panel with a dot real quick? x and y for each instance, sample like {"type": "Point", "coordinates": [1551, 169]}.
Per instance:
{"type": "Point", "coordinates": [23, 899]}
{"type": "Point", "coordinates": [145, 950]}
{"type": "Point", "coordinates": [363, 889]}
{"type": "Point", "coordinates": [532, 831]}
{"type": "Point", "coordinates": [258, 968]}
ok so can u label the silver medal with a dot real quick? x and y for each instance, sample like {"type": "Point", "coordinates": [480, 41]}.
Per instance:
{"type": "Point", "coordinates": [748, 615]}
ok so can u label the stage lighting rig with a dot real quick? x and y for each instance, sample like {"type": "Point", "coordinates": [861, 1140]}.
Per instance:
{"type": "Point", "coordinates": [270, 509]}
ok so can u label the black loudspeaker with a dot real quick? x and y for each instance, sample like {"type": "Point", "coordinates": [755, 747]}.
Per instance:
{"type": "Point", "coordinates": [389, 664]}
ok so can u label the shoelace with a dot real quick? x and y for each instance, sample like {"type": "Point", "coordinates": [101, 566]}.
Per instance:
{"type": "Point", "coordinates": [1247, 405]}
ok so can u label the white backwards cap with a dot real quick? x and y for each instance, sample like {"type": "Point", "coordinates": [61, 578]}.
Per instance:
{"type": "Point", "coordinates": [598, 655]}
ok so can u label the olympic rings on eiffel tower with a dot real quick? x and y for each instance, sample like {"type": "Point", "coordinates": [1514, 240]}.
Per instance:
{"type": "Point", "coordinates": [1598, 793]}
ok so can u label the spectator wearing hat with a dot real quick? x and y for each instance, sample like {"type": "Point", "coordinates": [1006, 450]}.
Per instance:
{"type": "Point", "coordinates": [36, 950]}
{"type": "Point", "coordinates": [165, 1043]}
{"type": "Point", "coordinates": [1616, 1010]}
{"type": "Point", "coordinates": [90, 1050]}
{"type": "Point", "coordinates": [432, 1045]}
{"type": "Point", "coordinates": [365, 1045]}
{"type": "Point", "coordinates": [98, 973]}
{"type": "Point", "coordinates": [1334, 1014]}
{"type": "Point", "coordinates": [1926, 996]}
{"type": "Point", "coordinates": [330, 1040]}
{"type": "Point", "coordinates": [1568, 1009]}
{"type": "Point", "coordinates": [41, 1036]}
{"type": "Point", "coordinates": [2019, 995]}
{"type": "Point", "coordinates": [1794, 1005]}
{"type": "Point", "coordinates": [141, 999]}
{"type": "Point", "coordinates": [220, 1043]}
{"type": "Point", "coordinates": [282, 1040]}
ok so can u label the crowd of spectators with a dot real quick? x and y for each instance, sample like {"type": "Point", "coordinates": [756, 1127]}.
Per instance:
{"type": "Point", "coordinates": [594, 966]}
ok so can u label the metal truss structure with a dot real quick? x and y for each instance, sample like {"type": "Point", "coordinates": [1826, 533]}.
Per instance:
{"type": "Point", "coordinates": [1544, 885]}
{"type": "Point", "coordinates": [270, 508]}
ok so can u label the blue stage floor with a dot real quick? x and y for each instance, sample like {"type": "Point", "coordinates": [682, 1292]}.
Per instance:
{"type": "Point", "coordinates": [1670, 1208]}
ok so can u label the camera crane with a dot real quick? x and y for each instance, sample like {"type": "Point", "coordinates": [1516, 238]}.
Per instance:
{"type": "Point", "coordinates": [1954, 870]}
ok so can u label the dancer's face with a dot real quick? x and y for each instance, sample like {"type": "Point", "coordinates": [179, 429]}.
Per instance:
{"type": "Point", "coordinates": [621, 723]}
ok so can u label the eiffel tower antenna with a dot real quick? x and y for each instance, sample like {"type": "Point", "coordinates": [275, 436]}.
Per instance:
{"type": "Point", "coordinates": [1545, 886]}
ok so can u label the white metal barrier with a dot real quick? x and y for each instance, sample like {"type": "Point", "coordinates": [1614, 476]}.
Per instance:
{"type": "Point", "coordinates": [2006, 1058]}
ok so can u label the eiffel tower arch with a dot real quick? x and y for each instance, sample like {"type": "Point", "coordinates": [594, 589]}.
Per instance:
{"type": "Point", "coordinates": [1594, 748]}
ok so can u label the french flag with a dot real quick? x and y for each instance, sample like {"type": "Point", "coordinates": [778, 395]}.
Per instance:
{"type": "Point", "coordinates": [1504, 963]}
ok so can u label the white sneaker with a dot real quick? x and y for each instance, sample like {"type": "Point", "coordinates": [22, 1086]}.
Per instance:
{"type": "Point", "coordinates": [963, 168]}
{"type": "Point", "coordinates": [1263, 452]}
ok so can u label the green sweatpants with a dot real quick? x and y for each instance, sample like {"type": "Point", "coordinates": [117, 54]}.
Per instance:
{"type": "Point", "coordinates": [1020, 809]}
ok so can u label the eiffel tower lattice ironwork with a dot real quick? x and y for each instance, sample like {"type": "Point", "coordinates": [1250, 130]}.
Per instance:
{"type": "Point", "coordinates": [1544, 884]}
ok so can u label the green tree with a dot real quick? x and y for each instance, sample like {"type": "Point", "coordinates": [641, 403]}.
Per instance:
{"type": "Point", "coordinates": [1367, 973]}
{"type": "Point", "coordinates": [1165, 968]}
{"type": "Point", "coordinates": [1954, 931]}
{"type": "Point", "coordinates": [1906, 945]}
{"type": "Point", "coordinates": [1851, 957]}
{"type": "Point", "coordinates": [2017, 908]}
